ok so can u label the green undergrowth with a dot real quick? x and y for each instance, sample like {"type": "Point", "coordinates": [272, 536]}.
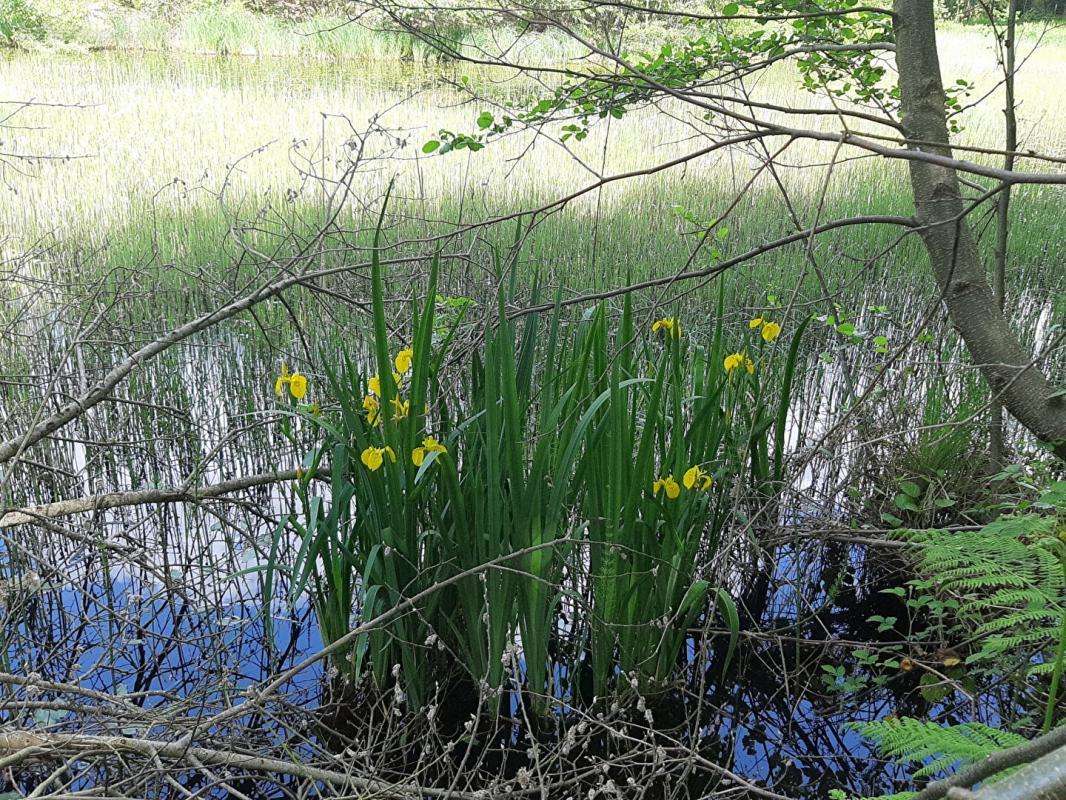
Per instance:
{"type": "Point", "coordinates": [999, 594]}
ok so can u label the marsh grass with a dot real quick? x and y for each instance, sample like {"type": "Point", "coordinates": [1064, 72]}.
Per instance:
{"type": "Point", "coordinates": [171, 152]}
{"type": "Point", "coordinates": [231, 28]}
{"type": "Point", "coordinates": [556, 427]}
{"type": "Point", "coordinates": [187, 156]}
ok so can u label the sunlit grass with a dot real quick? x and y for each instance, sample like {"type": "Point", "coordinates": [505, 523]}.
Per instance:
{"type": "Point", "coordinates": [162, 138]}
{"type": "Point", "coordinates": [179, 150]}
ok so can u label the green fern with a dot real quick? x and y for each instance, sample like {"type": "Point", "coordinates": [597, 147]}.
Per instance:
{"type": "Point", "coordinates": [1008, 580]}
{"type": "Point", "coordinates": [936, 748]}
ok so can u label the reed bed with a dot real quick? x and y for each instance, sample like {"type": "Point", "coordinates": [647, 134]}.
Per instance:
{"type": "Point", "coordinates": [595, 480]}
{"type": "Point", "coordinates": [167, 152]}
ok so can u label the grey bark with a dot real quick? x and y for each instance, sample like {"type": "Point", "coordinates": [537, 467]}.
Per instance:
{"type": "Point", "coordinates": [1021, 386]}
{"type": "Point", "coordinates": [1044, 779]}
{"type": "Point", "coordinates": [19, 745]}
{"type": "Point", "coordinates": [1033, 751]}
{"type": "Point", "coordinates": [174, 494]}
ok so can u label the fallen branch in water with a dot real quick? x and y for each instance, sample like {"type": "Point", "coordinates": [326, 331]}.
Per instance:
{"type": "Point", "coordinates": [20, 746]}
{"type": "Point", "coordinates": [171, 494]}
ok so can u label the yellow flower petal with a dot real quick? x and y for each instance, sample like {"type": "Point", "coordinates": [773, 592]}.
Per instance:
{"type": "Point", "coordinates": [671, 325]}
{"type": "Point", "coordinates": [279, 384]}
{"type": "Point", "coordinates": [371, 458]}
{"type": "Point", "coordinates": [696, 479]}
{"type": "Point", "coordinates": [669, 485]}
{"type": "Point", "coordinates": [690, 477]}
{"type": "Point", "coordinates": [403, 360]}
{"type": "Point", "coordinates": [372, 407]}
{"type": "Point", "coordinates": [755, 323]}
{"type": "Point", "coordinates": [770, 331]}
{"type": "Point", "coordinates": [298, 386]}
{"type": "Point", "coordinates": [429, 445]}
{"type": "Point", "coordinates": [374, 385]}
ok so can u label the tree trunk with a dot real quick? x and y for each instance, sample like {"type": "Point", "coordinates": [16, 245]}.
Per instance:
{"type": "Point", "coordinates": [1023, 389]}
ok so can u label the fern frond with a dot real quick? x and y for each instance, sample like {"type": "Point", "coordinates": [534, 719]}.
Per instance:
{"type": "Point", "coordinates": [1007, 578]}
{"type": "Point", "coordinates": [936, 748]}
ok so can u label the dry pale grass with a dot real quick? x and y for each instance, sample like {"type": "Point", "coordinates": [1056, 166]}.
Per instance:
{"type": "Point", "coordinates": [162, 137]}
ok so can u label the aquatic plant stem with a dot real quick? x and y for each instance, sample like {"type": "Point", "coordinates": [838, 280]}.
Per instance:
{"type": "Point", "coordinates": [1056, 677]}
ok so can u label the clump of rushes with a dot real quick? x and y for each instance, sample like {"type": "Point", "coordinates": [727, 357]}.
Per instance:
{"type": "Point", "coordinates": [611, 481]}
{"type": "Point", "coordinates": [698, 415]}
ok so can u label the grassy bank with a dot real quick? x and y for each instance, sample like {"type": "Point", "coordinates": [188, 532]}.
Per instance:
{"type": "Point", "coordinates": [159, 155]}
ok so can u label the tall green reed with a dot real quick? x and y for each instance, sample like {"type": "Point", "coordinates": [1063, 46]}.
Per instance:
{"type": "Point", "coordinates": [608, 459]}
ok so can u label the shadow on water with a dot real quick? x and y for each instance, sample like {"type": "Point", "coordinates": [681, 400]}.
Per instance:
{"type": "Point", "coordinates": [771, 716]}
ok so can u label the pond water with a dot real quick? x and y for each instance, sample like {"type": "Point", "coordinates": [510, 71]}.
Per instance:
{"type": "Point", "coordinates": [772, 720]}
{"type": "Point", "coordinates": [155, 605]}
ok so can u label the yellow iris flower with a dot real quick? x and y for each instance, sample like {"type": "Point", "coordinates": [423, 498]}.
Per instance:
{"type": "Point", "coordinates": [298, 386]}
{"type": "Point", "coordinates": [403, 360]}
{"type": "Point", "coordinates": [374, 457]}
{"type": "Point", "coordinates": [669, 485]}
{"type": "Point", "coordinates": [696, 478]}
{"type": "Point", "coordinates": [755, 323]}
{"type": "Point", "coordinates": [670, 325]}
{"type": "Point", "coordinates": [429, 445]}
{"type": "Point", "coordinates": [734, 360]}
{"type": "Point", "coordinates": [282, 380]}
{"type": "Point", "coordinates": [400, 408]}
{"type": "Point", "coordinates": [372, 407]}
{"type": "Point", "coordinates": [373, 384]}
{"type": "Point", "coordinates": [770, 331]}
